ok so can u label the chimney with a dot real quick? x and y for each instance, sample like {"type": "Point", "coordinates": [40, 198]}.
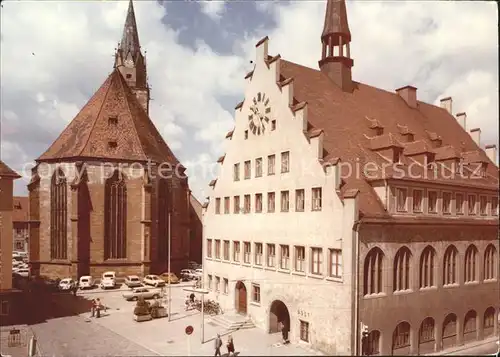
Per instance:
{"type": "Point", "coordinates": [461, 118]}
{"type": "Point", "coordinates": [409, 94]}
{"type": "Point", "coordinates": [475, 134]}
{"type": "Point", "coordinates": [446, 103]}
{"type": "Point", "coordinates": [491, 152]}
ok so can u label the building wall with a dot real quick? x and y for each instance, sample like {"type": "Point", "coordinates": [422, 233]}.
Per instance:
{"type": "Point", "coordinates": [195, 230]}
{"type": "Point", "coordinates": [20, 236]}
{"type": "Point", "coordinates": [330, 319]}
{"type": "Point", "coordinates": [86, 226]}
{"type": "Point", "coordinates": [416, 304]}
{"type": "Point", "coordinates": [6, 193]}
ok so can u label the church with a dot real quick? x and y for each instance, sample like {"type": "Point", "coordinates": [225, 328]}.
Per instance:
{"type": "Point", "coordinates": [363, 220]}
{"type": "Point", "coordinates": [108, 192]}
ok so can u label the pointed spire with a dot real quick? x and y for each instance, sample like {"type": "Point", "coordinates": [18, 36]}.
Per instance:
{"type": "Point", "coordinates": [336, 59]}
{"type": "Point", "coordinates": [336, 20]}
{"type": "Point", "coordinates": [130, 37]}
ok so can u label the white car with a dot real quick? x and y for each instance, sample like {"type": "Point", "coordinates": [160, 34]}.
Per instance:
{"type": "Point", "coordinates": [67, 284]}
{"type": "Point", "coordinates": [153, 280]}
{"type": "Point", "coordinates": [24, 272]}
{"type": "Point", "coordinates": [108, 280]}
{"type": "Point", "coordinates": [198, 272]}
{"type": "Point", "coordinates": [86, 282]}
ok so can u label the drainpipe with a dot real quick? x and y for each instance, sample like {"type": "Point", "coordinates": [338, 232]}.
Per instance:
{"type": "Point", "coordinates": [358, 343]}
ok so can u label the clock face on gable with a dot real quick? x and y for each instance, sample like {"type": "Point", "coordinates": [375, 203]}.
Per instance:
{"type": "Point", "coordinates": [260, 112]}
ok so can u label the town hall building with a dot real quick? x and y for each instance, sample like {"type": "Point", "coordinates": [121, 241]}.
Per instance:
{"type": "Point", "coordinates": [364, 220]}
{"type": "Point", "coordinates": [108, 191]}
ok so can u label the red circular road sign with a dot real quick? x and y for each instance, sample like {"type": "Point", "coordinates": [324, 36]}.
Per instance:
{"type": "Point", "coordinates": [189, 330]}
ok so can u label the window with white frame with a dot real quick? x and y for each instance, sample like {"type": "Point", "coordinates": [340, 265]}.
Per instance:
{"type": "Point", "coordinates": [236, 204]}
{"type": "Point", "coordinates": [335, 263]}
{"type": "Point", "coordinates": [316, 260]}
{"type": "Point", "coordinates": [472, 205]}
{"type": "Point", "coordinates": [217, 283]}
{"type": "Point", "coordinates": [285, 256]}
{"type": "Point", "coordinates": [236, 172]}
{"type": "Point", "coordinates": [271, 202]}
{"type": "Point", "coordinates": [209, 248]}
{"type": "Point", "coordinates": [432, 198]}
{"type": "Point", "coordinates": [258, 254]}
{"type": "Point", "coordinates": [217, 249]}
{"type": "Point", "coordinates": [209, 282]}
{"type": "Point", "coordinates": [247, 169]}
{"type": "Point", "coordinates": [483, 202]}
{"type": "Point", "coordinates": [258, 167]}
{"type": "Point", "coordinates": [271, 164]}
{"type": "Point", "coordinates": [316, 199]}
{"type": "Point", "coordinates": [271, 255]}
{"type": "Point", "coordinates": [247, 250]}
{"type": "Point", "coordinates": [217, 205]}
{"type": "Point", "coordinates": [226, 250]}
{"type": "Point", "coordinates": [236, 251]}
{"type": "Point", "coordinates": [417, 200]}
{"type": "Point", "coordinates": [285, 201]}
{"type": "Point", "coordinates": [256, 293]}
{"type": "Point", "coordinates": [227, 205]}
{"type": "Point", "coordinates": [285, 161]}
{"type": "Point", "coordinates": [299, 200]}
{"type": "Point", "coordinates": [401, 199]}
{"type": "Point", "coordinates": [300, 257]}
{"type": "Point", "coordinates": [246, 203]}
{"type": "Point", "coordinates": [459, 203]}
{"type": "Point", "coordinates": [226, 286]}
{"type": "Point", "coordinates": [494, 206]}
{"type": "Point", "coordinates": [258, 202]}
{"type": "Point", "coordinates": [446, 202]}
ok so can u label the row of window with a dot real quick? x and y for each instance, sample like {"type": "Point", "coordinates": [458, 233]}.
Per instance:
{"type": "Point", "coordinates": [402, 269]}
{"type": "Point", "coordinates": [271, 166]}
{"type": "Point", "coordinates": [300, 199]}
{"type": "Point", "coordinates": [450, 203]}
{"type": "Point", "coordinates": [401, 337]}
{"type": "Point", "coordinates": [282, 261]}
{"type": "Point", "coordinates": [214, 283]}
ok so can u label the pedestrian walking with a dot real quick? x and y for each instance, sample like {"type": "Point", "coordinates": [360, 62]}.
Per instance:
{"type": "Point", "coordinates": [284, 331]}
{"type": "Point", "coordinates": [230, 345]}
{"type": "Point", "coordinates": [93, 308]}
{"type": "Point", "coordinates": [218, 345]}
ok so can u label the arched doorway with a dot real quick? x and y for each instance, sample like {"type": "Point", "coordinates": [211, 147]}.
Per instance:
{"type": "Point", "coordinates": [278, 313]}
{"type": "Point", "coordinates": [241, 298]}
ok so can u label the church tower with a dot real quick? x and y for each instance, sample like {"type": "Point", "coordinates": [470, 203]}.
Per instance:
{"type": "Point", "coordinates": [130, 61]}
{"type": "Point", "coordinates": [336, 59]}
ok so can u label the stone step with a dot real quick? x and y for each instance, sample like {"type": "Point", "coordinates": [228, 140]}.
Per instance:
{"type": "Point", "coordinates": [232, 323]}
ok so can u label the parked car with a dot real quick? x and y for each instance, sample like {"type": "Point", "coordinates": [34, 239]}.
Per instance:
{"type": "Point", "coordinates": [24, 272]}
{"type": "Point", "coordinates": [86, 282]}
{"type": "Point", "coordinates": [198, 272]}
{"type": "Point", "coordinates": [187, 274]}
{"type": "Point", "coordinates": [67, 284]}
{"type": "Point", "coordinates": [145, 293]}
{"type": "Point", "coordinates": [193, 265]}
{"type": "Point", "coordinates": [170, 278]}
{"type": "Point", "coordinates": [133, 281]}
{"type": "Point", "coordinates": [108, 280]}
{"type": "Point", "coordinates": [153, 280]}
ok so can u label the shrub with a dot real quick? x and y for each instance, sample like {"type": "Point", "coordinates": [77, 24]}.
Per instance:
{"type": "Point", "coordinates": [142, 307]}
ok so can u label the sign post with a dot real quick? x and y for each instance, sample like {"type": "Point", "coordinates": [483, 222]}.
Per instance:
{"type": "Point", "coordinates": [189, 330]}
{"type": "Point", "coordinates": [203, 292]}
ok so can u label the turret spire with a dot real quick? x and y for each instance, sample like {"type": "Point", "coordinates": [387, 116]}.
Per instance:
{"type": "Point", "coordinates": [130, 61]}
{"type": "Point", "coordinates": [336, 59]}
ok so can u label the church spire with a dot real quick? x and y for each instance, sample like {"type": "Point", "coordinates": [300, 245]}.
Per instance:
{"type": "Point", "coordinates": [130, 61]}
{"type": "Point", "coordinates": [336, 59]}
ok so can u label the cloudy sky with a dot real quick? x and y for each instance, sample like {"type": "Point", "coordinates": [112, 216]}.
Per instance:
{"type": "Point", "coordinates": [55, 54]}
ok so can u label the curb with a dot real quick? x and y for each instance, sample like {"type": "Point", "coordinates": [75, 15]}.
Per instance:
{"type": "Point", "coordinates": [464, 347]}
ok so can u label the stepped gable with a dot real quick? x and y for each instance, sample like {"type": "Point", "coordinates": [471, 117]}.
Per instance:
{"type": "Point", "coordinates": [342, 116]}
{"type": "Point", "coordinates": [112, 125]}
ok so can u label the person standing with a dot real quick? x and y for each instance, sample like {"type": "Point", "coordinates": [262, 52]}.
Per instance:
{"type": "Point", "coordinates": [230, 345]}
{"type": "Point", "coordinates": [218, 345]}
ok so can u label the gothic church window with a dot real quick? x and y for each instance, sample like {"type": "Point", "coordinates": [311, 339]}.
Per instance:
{"type": "Point", "coordinates": [58, 216]}
{"type": "Point", "coordinates": [115, 217]}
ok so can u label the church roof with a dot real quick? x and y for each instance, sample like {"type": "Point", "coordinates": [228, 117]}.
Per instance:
{"type": "Point", "coordinates": [6, 171]}
{"type": "Point", "coordinates": [112, 125]}
{"type": "Point", "coordinates": [347, 133]}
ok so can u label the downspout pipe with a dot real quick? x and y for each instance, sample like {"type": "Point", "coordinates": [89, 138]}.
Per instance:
{"type": "Point", "coordinates": [358, 344]}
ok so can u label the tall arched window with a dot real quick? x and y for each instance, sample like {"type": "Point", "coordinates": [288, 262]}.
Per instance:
{"type": "Point", "coordinates": [426, 336]}
{"type": "Point", "coordinates": [450, 275]}
{"type": "Point", "coordinates": [164, 206]}
{"type": "Point", "coordinates": [115, 217]}
{"type": "Point", "coordinates": [449, 331]}
{"type": "Point", "coordinates": [470, 270]}
{"type": "Point", "coordinates": [401, 272]}
{"type": "Point", "coordinates": [470, 326]}
{"type": "Point", "coordinates": [489, 321]}
{"type": "Point", "coordinates": [373, 270]}
{"type": "Point", "coordinates": [58, 216]}
{"type": "Point", "coordinates": [427, 266]}
{"type": "Point", "coordinates": [490, 265]}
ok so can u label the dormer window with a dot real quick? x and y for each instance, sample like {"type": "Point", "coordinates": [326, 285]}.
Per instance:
{"type": "Point", "coordinates": [128, 76]}
{"type": "Point", "coordinates": [379, 131]}
{"type": "Point", "coordinates": [410, 138]}
{"type": "Point", "coordinates": [396, 156]}
{"type": "Point", "coordinates": [113, 120]}
{"type": "Point", "coordinates": [112, 144]}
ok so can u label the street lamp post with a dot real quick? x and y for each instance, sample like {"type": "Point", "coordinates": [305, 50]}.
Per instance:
{"type": "Point", "coordinates": [169, 277]}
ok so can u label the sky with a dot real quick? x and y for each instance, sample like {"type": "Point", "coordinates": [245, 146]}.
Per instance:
{"type": "Point", "coordinates": [55, 54]}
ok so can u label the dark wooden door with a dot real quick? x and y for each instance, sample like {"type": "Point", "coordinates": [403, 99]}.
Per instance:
{"type": "Point", "coordinates": [242, 299]}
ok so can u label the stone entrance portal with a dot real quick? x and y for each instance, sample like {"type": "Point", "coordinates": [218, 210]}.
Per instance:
{"type": "Point", "coordinates": [278, 313]}
{"type": "Point", "coordinates": [241, 298]}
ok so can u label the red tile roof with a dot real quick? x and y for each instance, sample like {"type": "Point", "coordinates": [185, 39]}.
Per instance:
{"type": "Point", "coordinates": [90, 133]}
{"type": "Point", "coordinates": [342, 116]}
{"type": "Point", "coordinates": [6, 171]}
{"type": "Point", "coordinates": [21, 209]}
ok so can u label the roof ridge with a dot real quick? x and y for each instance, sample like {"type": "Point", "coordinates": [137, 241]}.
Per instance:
{"type": "Point", "coordinates": [110, 79]}
{"type": "Point", "coordinates": [125, 87]}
